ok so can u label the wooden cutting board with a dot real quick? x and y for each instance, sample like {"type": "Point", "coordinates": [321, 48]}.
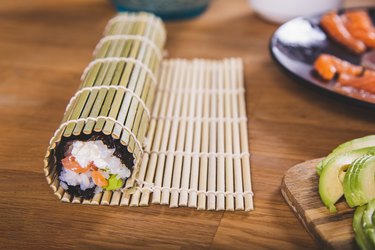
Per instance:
{"type": "Point", "coordinates": [300, 190]}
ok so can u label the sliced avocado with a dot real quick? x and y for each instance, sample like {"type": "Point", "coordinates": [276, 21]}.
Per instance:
{"type": "Point", "coordinates": [114, 183]}
{"type": "Point", "coordinates": [367, 223]}
{"type": "Point", "coordinates": [364, 142]}
{"type": "Point", "coordinates": [360, 236]}
{"type": "Point", "coordinates": [331, 178]}
{"type": "Point", "coordinates": [348, 184]}
{"type": "Point", "coordinates": [364, 181]}
{"type": "Point", "coordinates": [359, 182]}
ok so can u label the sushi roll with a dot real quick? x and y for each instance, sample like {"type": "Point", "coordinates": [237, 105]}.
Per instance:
{"type": "Point", "coordinates": [99, 144]}
{"type": "Point", "coordinates": [91, 164]}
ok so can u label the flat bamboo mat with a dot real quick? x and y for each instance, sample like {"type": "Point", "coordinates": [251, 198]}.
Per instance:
{"type": "Point", "coordinates": [197, 154]}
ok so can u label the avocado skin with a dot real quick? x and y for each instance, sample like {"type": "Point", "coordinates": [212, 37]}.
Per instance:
{"type": "Point", "coordinates": [363, 142]}
{"type": "Point", "coordinates": [330, 186]}
{"type": "Point", "coordinates": [360, 235]}
{"type": "Point", "coordinates": [368, 224]}
{"type": "Point", "coordinates": [356, 191]}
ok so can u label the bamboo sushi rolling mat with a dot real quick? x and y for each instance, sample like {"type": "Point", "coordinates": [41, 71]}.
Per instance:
{"type": "Point", "coordinates": [194, 150]}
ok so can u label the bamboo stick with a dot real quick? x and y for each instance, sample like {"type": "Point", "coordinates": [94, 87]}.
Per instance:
{"type": "Point", "coordinates": [94, 103]}
{"type": "Point", "coordinates": [129, 49]}
{"type": "Point", "coordinates": [174, 133]}
{"type": "Point", "coordinates": [106, 198]}
{"type": "Point", "coordinates": [131, 84]}
{"type": "Point", "coordinates": [66, 197]}
{"type": "Point", "coordinates": [164, 76]}
{"type": "Point", "coordinates": [108, 101]}
{"type": "Point", "coordinates": [176, 179]}
{"type": "Point", "coordinates": [96, 199]}
{"type": "Point", "coordinates": [126, 105]}
{"type": "Point", "coordinates": [202, 185]}
{"type": "Point", "coordinates": [125, 77]}
{"type": "Point", "coordinates": [115, 199]}
{"type": "Point", "coordinates": [125, 49]}
{"type": "Point", "coordinates": [246, 175]}
{"type": "Point", "coordinates": [228, 141]}
{"type": "Point", "coordinates": [146, 156]}
{"type": "Point", "coordinates": [134, 123]}
{"type": "Point", "coordinates": [76, 200]}
{"type": "Point", "coordinates": [212, 163]}
{"type": "Point", "coordinates": [129, 53]}
{"type": "Point", "coordinates": [197, 139]}
{"type": "Point", "coordinates": [165, 139]}
{"type": "Point", "coordinates": [125, 199]}
{"type": "Point", "coordinates": [149, 94]}
{"type": "Point", "coordinates": [236, 138]}
{"type": "Point", "coordinates": [144, 91]}
{"type": "Point", "coordinates": [55, 183]}
{"type": "Point", "coordinates": [186, 167]}
{"type": "Point", "coordinates": [221, 142]}
{"type": "Point", "coordinates": [83, 112]}
{"type": "Point", "coordinates": [141, 89]}
{"type": "Point", "coordinates": [80, 102]}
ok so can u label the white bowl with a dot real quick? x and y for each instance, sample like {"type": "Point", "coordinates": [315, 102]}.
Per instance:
{"type": "Point", "coordinates": [280, 11]}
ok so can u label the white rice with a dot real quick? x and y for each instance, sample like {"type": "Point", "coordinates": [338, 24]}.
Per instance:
{"type": "Point", "coordinates": [101, 156]}
{"type": "Point", "coordinates": [72, 178]}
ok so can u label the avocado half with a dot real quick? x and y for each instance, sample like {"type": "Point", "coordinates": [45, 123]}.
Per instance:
{"type": "Point", "coordinates": [359, 181]}
{"type": "Point", "coordinates": [332, 176]}
{"type": "Point", "coordinates": [364, 142]}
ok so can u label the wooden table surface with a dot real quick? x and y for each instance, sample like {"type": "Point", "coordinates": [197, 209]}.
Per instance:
{"type": "Point", "coordinates": [44, 47]}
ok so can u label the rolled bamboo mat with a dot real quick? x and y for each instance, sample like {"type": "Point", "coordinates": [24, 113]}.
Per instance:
{"type": "Point", "coordinates": [115, 97]}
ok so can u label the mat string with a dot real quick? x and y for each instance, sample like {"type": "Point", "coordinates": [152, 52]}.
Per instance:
{"type": "Point", "coordinates": [95, 119]}
{"type": "Point", "coordinates": [151, 187]}
{"type": "Point", "coordinates": [203, 91]}
{"type": "Point", "coordinates": [108, 87]}
{"type": "Point", "coordinates": [128, 37]}
{"type": "Point", "coordinates": [119, 59]}
{"type": "Point", "coordinates": [199, 154]}
{"type": "Point", "coordinates": [201, 119]}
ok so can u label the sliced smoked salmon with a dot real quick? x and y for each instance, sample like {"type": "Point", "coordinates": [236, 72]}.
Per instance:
{"type": "Point", "coordinates": [360, 26]}
{"type": "Point", "coordinates": [334, 25]}
{"type": "Point", "coordinates": [328, 66]}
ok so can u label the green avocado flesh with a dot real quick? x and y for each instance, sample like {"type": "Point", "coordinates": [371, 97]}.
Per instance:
{"type": "Point", "coordinates": [364, 142]}
{"type": "Point", "coordinates": [360, 235]}
{"type": "Point", "coordinates": [359, 182]}
{"type": "Point", "coordinates": [331, 178]}
{"type": "Point", "coordinates": [113, 183]}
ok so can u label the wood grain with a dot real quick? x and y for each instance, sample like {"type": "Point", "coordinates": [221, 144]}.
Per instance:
{"type": "Point", "coordinates": [44, 47]}
{"type": "Point", "coordinates": [300, 189]}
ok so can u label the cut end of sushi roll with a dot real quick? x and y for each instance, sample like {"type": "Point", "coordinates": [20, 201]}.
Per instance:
{"type": "Point", "coordinates": [87, 165]}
